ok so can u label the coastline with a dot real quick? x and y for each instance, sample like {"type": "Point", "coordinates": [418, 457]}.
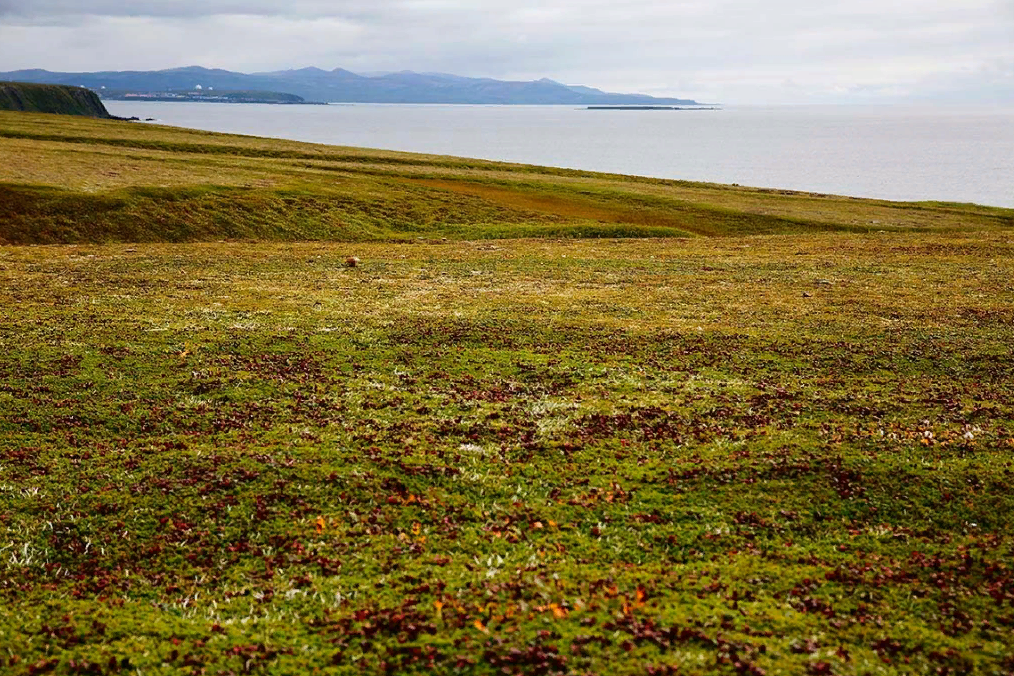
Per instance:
{"type": "Point", "coordinates": [820, 149]}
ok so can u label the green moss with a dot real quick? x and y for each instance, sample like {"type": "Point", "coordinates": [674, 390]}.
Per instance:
{"type": "Point", "coordinates": [773, 438]}
{"type": "Point", "coordinates": [486, 455]}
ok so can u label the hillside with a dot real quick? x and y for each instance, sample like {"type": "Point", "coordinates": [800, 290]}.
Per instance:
{"type": "Point", "coordinates": [41, 98]}
{"type": "Point", "coordinates": [508, 434]}
{"type": "Point", "coordinates": [66, 180]}
{"type": "Point", "coordinates": [343, 86]}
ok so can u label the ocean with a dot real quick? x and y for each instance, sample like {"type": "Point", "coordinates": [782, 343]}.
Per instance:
{"type": "Point", "coordinates": [940, 153]}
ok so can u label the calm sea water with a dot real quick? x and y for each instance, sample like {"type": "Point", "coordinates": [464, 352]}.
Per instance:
{"type": "Point", "coordinates": [899, 153]}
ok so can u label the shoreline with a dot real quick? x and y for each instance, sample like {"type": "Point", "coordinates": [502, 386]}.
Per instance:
{"type": "Point", "coordinates": [762, 147]}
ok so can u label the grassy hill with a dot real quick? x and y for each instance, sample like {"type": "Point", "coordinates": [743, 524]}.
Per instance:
{"type": "Point", "coordinates": [60, 99]}
{"type": "Point", "coordinates": [480, 427]}
{"type": "Point", "coordinates": [68, 180]}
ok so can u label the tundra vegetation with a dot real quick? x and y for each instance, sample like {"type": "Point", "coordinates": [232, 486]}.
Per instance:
{"type": "Point", "coordinates": [549, 422]}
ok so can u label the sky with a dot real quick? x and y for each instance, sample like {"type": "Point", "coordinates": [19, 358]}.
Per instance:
{"type": "Point", "coordinates": [727, 51]}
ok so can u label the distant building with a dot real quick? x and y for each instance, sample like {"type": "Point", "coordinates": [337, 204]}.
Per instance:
{"type": "Point", "coordinates": [198, 87]}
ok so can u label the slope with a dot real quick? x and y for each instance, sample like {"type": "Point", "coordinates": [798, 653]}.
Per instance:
{"type": "Point", "coordinates": [71, 180]}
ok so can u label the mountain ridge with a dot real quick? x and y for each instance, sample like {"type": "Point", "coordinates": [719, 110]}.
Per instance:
{"type": "Point", "coordinates": [344, 86]}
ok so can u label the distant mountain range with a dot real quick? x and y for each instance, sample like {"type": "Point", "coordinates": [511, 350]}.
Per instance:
{"type": "Point", "coordinates": [342, 86]}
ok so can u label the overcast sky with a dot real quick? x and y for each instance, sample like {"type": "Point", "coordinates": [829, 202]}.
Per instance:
{"type": "Point", "coordinates": [729, 51]}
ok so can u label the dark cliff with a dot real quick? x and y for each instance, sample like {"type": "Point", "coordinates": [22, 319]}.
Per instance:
{"type": "Point", "coordinates": [62, 99]}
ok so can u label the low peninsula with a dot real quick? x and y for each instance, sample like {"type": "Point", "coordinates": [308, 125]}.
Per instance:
{"type": "Point", "coordinates": [210, 96]}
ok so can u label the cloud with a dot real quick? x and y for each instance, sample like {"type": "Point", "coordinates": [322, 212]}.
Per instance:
{"type": "Point", "coordinates": [723, 50]}
{"type": "Point", "coordinates": [49, 10]}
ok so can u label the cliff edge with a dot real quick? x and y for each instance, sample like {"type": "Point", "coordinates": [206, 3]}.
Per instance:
{"type": "Point", "coordinates": [61, 99]}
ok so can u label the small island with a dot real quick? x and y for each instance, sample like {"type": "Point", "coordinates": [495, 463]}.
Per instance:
{"type": "Point", "coordinates": [651, 108]}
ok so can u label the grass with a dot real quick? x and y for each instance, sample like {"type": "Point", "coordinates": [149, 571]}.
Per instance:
{"type": "Point", "coordinates": [66, 180]}
{"type": "Point", "coordinates": [786, 453]}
